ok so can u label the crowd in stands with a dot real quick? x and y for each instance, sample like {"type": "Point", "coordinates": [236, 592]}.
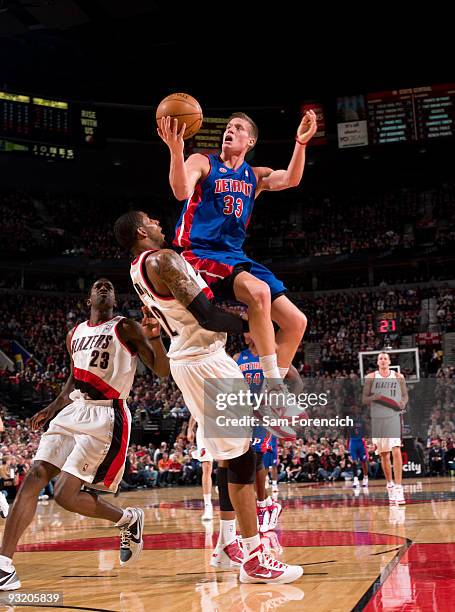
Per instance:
{"type": "Point", "coordinates": [446, 310]}
{"type": "Point", "coordinates": [345, 324]}
{"type": "Point", "coordinates": [442, 416]}
{"type": "Point", "coordinates": [342, 323]}
{"type": "Point", "coordinates": [56, 224]}
{"type": "Point", "coordinates": [150, 466]}
{"type": "Point", "coordinates": [319, 225]}
{"type": "Point", "coordinates": [16, 229]}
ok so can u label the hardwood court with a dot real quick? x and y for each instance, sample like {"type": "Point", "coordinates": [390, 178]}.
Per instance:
{"type": "Point", "coordinates": [357, 552]}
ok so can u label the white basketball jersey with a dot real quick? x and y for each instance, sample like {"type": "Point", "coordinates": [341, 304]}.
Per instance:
{"type": "Point", "coordinates": [390, 387]}
{"type": "Point", "coordinates": [103, 366]}
{"type": "Point", "coordinates": [188, 338]}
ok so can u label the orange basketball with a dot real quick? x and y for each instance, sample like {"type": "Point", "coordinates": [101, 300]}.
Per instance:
{"type": "Point", "coordinates": [185, 109]}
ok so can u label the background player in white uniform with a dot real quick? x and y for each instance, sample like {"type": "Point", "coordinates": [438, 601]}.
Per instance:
{"type": "Point", "coordinates": [87, 441]}
{"type": "Point", "coordinates": [177, 295]}
{"type": "Point", "coordinates": [206, 459]}
{"type": "Point", "coordinates": [385, 390]}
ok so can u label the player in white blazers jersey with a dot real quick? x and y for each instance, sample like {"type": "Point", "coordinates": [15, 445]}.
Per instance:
{"type": "Point", "coordinates": [386, 392]}
{"type": "Point", "coordinates": [179, 298]}
{"type": "Point", "coordinates": [87, 441]}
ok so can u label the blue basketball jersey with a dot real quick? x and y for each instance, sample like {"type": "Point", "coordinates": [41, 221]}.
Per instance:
{"type": "Point", "coordinates": [250, 367]}
{"type": "Point", "coordinates": [249, 364]}
{"type": "Point", "coordinates": [358, 431]}
{"type": "Point", "coordinates": [217, 214]}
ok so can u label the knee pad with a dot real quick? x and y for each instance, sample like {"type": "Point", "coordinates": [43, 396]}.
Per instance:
{"type": "Point", "coordinates": [242, 470]}
{"type": "Point", "coordinates": [259, 463]}
{"type": "Point", "coordinates": [223, 490]}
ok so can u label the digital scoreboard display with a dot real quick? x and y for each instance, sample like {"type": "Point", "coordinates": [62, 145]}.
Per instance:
{"type": "Point", "coordinates": [409, 115]}
{"type": "Point", "coordinates": [387, 322]}
{"type": "Point", "coordinates": [391, 116]}
{"type": "Point", "coordinates": [44, 121]}
{"type": "Point", "coordinates": [434, 109]}
{"type": "Point", "coordinates": [210, 137]}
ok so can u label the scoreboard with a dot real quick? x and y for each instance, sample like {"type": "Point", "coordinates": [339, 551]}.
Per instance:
{"type": "Point", "coordinates": [416, 114]}
{"type": "Point", "coordinates": [391, 116]}
{"type": "Point", "coordinates": [435, 111]}
{"type": "Point", "coordinates": [210, 137]}
{"type": "Point", "coordinates": [401, 115]}
{"type": "Point", "coordinates": [46, 127]}
{"type": "Point", "coordinates": [387, 322]}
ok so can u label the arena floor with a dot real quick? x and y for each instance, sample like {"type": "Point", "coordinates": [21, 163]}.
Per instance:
{"type": "Point", "coordinates": [358, 554]}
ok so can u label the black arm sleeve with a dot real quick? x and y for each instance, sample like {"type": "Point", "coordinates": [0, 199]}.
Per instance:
{"type": "Point", "coordinates": [213, 318]}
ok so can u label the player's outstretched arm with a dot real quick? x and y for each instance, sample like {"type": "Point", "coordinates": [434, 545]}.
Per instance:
{"type": "Point", "coordinates": [277, 180]}
{"type": "Point", "coordinates": [62, 399]}
{"type": "Point", "coordinates": [169, 268]}
{"type": "Point", "coordinates": [145, 339]}
{"type": "Point", "coordinates": [183, 176]}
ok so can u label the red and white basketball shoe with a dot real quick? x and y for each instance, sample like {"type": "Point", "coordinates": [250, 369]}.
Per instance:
{"type": "Point", "coordinates": [275, 510]}
{"type": "Point", "coordinates": [227, 556]}
{"type": "Point", "coordinates": [262, 567]}
{"type": "Point", "coordinates": [263, 519]}
{"type": "Point", "coordinates": [399, 494]}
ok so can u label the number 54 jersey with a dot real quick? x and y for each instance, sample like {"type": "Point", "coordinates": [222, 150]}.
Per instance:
{"type": "Point", "coordinates": [188, 338]}
{"type": "Point", "coordinates": [103, 366]}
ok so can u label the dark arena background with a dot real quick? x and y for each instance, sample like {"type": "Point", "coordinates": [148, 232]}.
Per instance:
{"type": "Point", "coordinates": [365, 245]}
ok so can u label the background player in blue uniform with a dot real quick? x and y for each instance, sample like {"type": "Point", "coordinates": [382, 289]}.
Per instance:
{"type": "Point", "coordinates": [263, 442]}
{"type": "Point", "coordinates": [220, 193]}
{"type": "Point", "coordinates": [249, 364]}
{"type": "Point", "coordinates": [357, 447]}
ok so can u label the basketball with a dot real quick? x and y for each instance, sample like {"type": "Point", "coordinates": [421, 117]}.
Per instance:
{"type": "Point", "coordinates": [185, 109]}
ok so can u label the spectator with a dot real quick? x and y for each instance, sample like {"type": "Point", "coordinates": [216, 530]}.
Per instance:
{"type": "Point", "coordinates": [436, 458]}
{"type": "Point", "coordinates": [163, 470]}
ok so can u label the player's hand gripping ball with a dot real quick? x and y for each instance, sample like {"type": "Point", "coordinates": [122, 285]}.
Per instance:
{"type": "Point", "coordinates": [185, 109]}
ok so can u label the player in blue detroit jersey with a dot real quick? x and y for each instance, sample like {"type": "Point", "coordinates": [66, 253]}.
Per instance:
{"type": "Point", "coordinates": [264, 444]}
{"type": "Point", "coordinates": [262, 441]}
{"type": "Point", "coordinates": [357, 448]}
{"type": "Point", "coordinates": [219, 193]}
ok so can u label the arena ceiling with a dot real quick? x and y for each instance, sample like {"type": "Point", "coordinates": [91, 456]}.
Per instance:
{"type": "Point", "coordinates": [137, 51]}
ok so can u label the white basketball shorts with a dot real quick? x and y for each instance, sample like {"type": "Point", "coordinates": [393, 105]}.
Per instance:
{"type": "Point", "coordinates": [201, 453]}
{"type": "Point", "coordinates": [189, 376]}
{"type": "Point", "coordinates": [89, 439]}
{"type": "Point", "coordinates": [385, 445]}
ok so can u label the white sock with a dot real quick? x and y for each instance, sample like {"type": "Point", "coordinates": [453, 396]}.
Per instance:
{"type": "Point", "coordinates": [262, 504]}
{"type": "Point", "coordinates": [283, 372]}
{"type": "Point", "coordinates": [5, 562]}
{"type": "Point", "coordinates": [250, 544]}
{"type": "Point", "coordinates": [269, 366]}
{"type": "Point", "coordinates": [390, 484]}
{"type": "Point", "coordinates": [274, 483]}
{"type": "Point", "coordinates": [126, 518]}
{"type": "Point", "coordinates": [227, 531]}
{"type": "Point", "coordinates": [207, 499]}
{"type": "Point", "coordinates": [269, 501]}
